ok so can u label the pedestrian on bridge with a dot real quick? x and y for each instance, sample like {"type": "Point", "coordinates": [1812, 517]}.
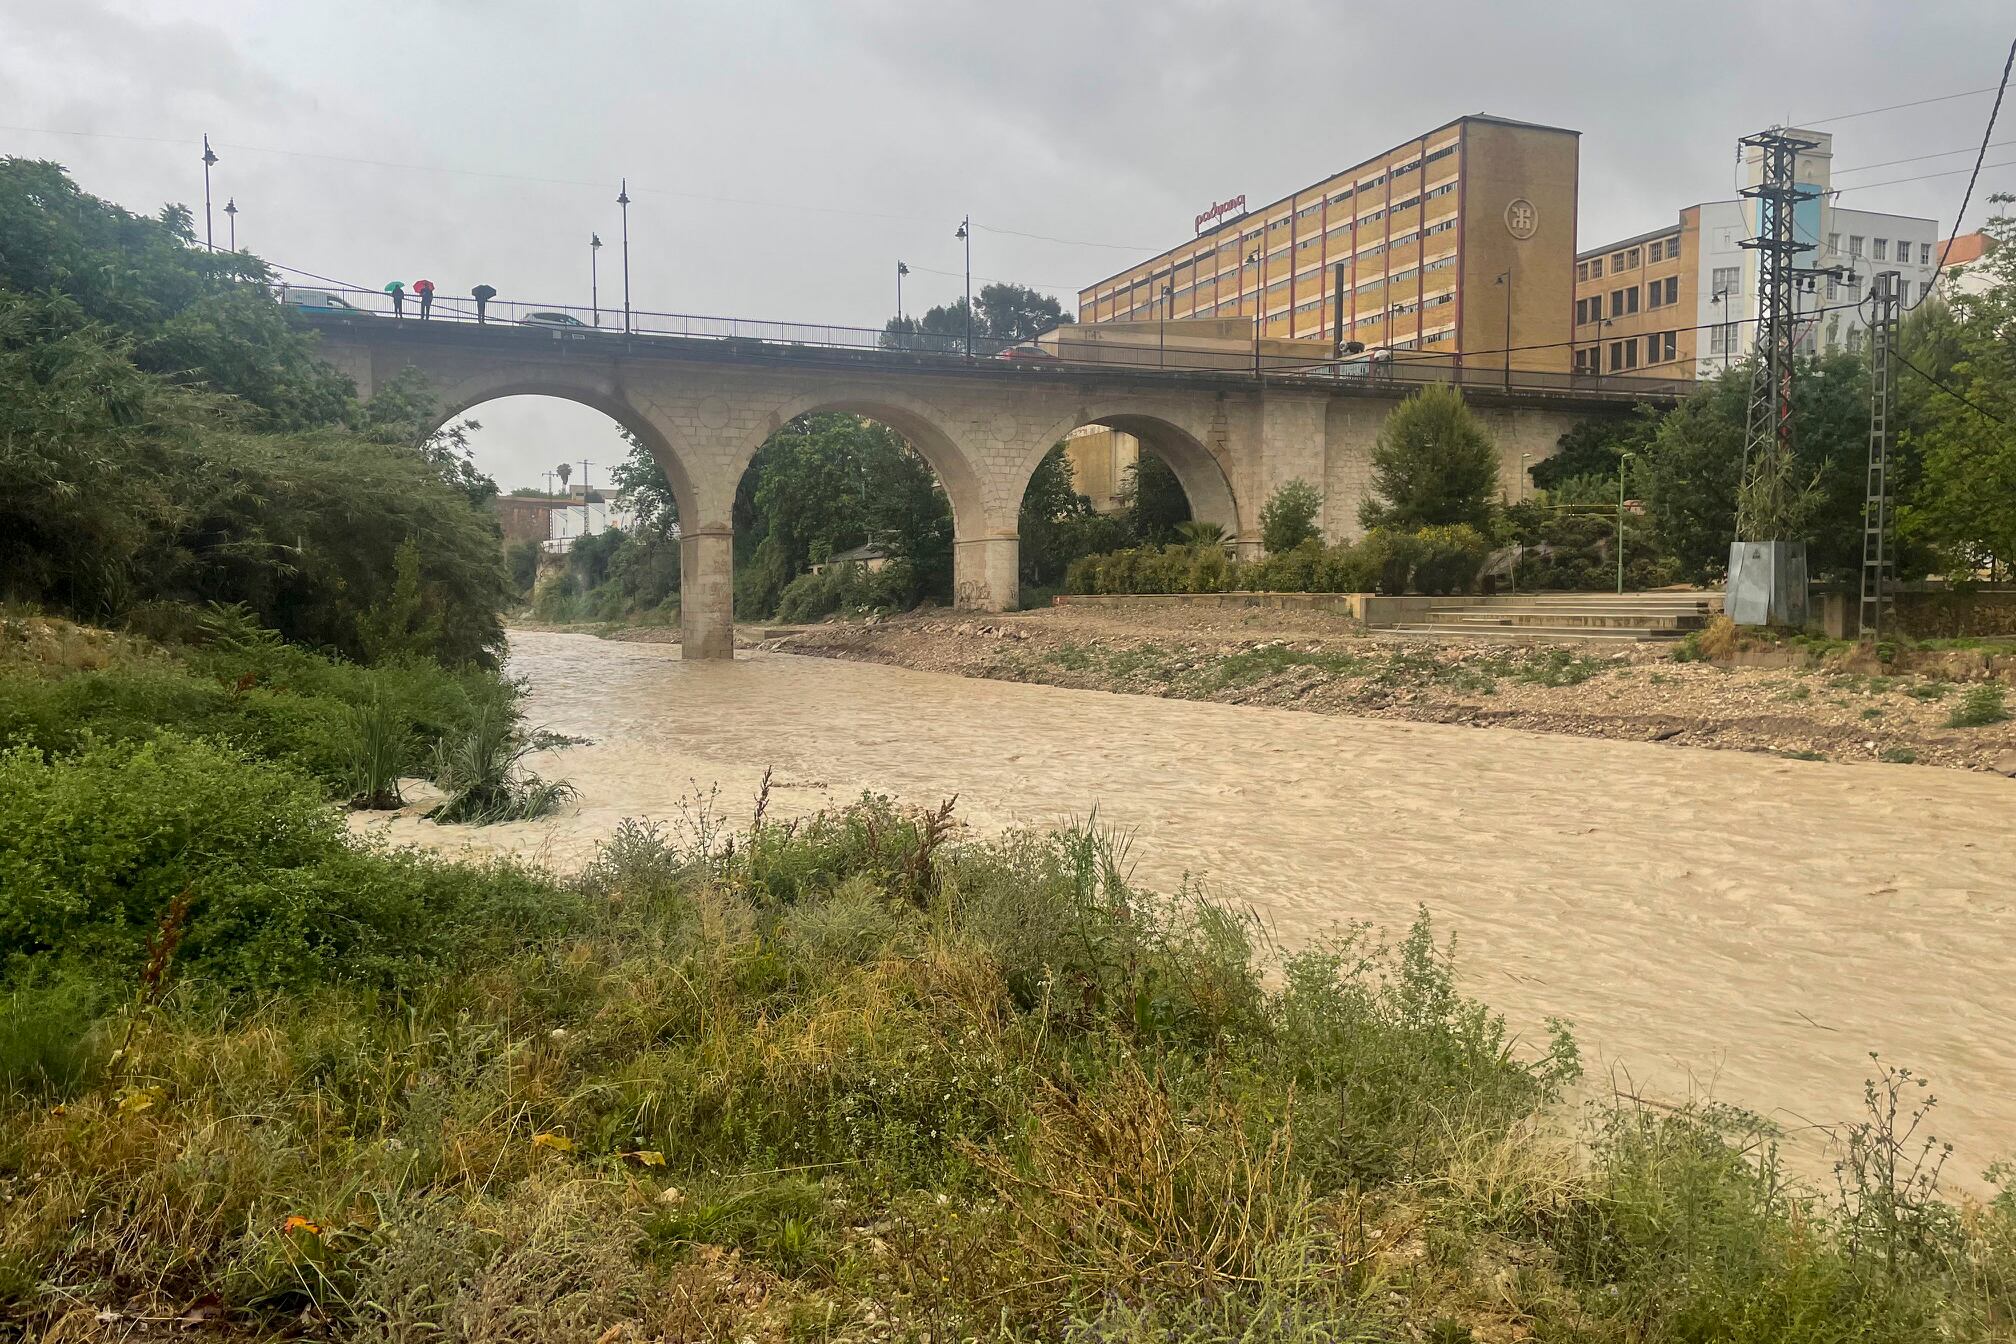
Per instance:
{"type": "Point", "coordinates": [397, 289]}
{"type": "Point", "coordinates": [425, 289]}
{"type": "Point", "coordinates": [483, 295]}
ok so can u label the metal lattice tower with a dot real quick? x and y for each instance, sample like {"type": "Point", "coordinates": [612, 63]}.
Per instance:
{"type": "Point", "coordinates": [1767, 439]}
{"type": "Point", "coordinates": [1876, 558]}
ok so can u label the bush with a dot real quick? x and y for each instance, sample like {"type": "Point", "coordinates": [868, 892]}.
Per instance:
{"type": "Point", "coordinates": [1450, 559]}
{"type": "Point", "coordinates": [1979, 708]}
{"type": "Point", "coordinates": [848, 587]}
{"type": "Point", "coordinates": [483, 770]}
{"type": "Point", "coordinates": [1289, 518]}
{"type": "Point", "coordinates": [99, 844]}
{"type": "Point", "coordinates": [1433, 465]}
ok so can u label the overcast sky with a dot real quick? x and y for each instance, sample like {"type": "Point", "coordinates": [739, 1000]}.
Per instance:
{"type": "Point", "coordinates": [782, 156]}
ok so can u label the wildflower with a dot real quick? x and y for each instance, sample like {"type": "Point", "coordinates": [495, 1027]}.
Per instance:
{"type": "Point", "coordinates": [296, 1223]}
{"type": "Point", "coordinates": [649, 1157]}
{"type": "Point", "coordinates": [559, 1143]}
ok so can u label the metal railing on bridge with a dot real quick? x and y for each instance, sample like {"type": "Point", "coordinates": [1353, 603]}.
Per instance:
{"type": "Point", "coordinates": [1098, 347]}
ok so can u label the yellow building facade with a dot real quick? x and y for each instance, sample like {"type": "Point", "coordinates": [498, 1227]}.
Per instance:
{"type": "Point", "coordinates": [1438, 248]}
{"type": "Point", "coordinates": [1636, 300]}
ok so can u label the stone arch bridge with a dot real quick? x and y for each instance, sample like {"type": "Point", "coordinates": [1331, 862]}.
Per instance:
{"type": "Point", "coordinates": [704, 406]}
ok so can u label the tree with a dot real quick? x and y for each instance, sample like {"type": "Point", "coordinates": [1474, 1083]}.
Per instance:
{"type": "Point", "coordinates": [1690, 470]}
{"type": "Point", "coordinates": [1957, 407]}
{"type": "Point", "coordinates": [1433, 465]}
{"type": "Point", "coordinates": [1053, 522]}
{"type": "Point", "coordinates": [1004, 313]}
{"type": "Point", "coordinates": [1594, 447]}
{"type": "Point", "coordinates": [1289, 518]}
{"type": "Point", "coordinates": [1154, 500]}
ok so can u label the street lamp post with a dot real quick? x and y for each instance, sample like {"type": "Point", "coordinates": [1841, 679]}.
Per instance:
{"type": "Point", "coordinates": [1622, 463]}
{"type": "Point", "coordinates": [623, 199]}
{"type": "Point", "coordinates": [1506, 280]}
{"type": "Point", "coordinates": [965, 235]}
{"type": "Point", "coordinates": [208, 159]}
{"type": "Point", "coordinates": [595, 277]}
{"type": "Point", "coordinates": [901, 271]}
{"type": "Point", "coordinates": [1162, 327]}
{"type": "Point", "coordinates": [231, 213]}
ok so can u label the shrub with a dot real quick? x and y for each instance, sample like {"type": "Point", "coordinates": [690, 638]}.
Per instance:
{"type": "Point", "coordinates": [1450, 559]}
{"type": "Point", "coordinates": [49, 1044]}
{"type": "Point", "coordinates": [1979, 708]}
{"type": "Point", "coordinates": [1289, 518]}
{"type": "Point", "coordinates": [483, 770]}
{"type": "Point", "coordinates": [99, 844]}
{"type": "Point", "coordinates": [843, 587]}
{"type": "Point", "coordinates": [380, 747]}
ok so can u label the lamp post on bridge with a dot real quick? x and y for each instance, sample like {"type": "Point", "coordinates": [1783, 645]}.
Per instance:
{"type": "Point", "coordinates": [901, 271]}
{"type": "Point", "coordinates": [231, 213]}
{"type": "Point", "coordinates": [595, 277]}
{"type": "Point", "coordinates": [209, 158]}
{"type": "Point", "coordinates": [623, 199]}
{"type": "Point", "coordinates": [1506, 280]}
{"type": "Point", "coordinates": [965, 235]}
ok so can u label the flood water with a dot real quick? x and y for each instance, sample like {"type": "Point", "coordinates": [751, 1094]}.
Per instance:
{"type": "Point", "coordinates": [1712, 923]}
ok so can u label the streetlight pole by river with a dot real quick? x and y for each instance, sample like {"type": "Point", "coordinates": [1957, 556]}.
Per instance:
{"type": "Point", "coordinates": [623, 199]}
{"type": "Point", "coordinates": [965, 235]}
{"type": "Point", "coordinates": [209, 158]}
{"type": "Point", "coordinates": [595, 277]}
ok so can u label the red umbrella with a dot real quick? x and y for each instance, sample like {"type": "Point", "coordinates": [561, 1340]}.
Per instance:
{"type": "Point", "coordinates": [423, 286]}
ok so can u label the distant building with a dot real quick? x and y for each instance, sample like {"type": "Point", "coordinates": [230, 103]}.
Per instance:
{"type": "Point", "coordinates": [1966, 254]}
{"type": "Point", "coordinates": [870, 557]}
{"type": "Point", "coordinates": [526, 517]}
{"type": "Point", "coordinates": [1680, 301]}
{"type": "Point", "coordinates": [1426, 232]}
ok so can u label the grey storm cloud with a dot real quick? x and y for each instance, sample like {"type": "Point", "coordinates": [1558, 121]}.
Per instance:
{"type": "Point", "coordinates": [783, 154]}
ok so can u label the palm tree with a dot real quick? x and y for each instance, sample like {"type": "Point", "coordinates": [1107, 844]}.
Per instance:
{"type": "Point", "coordinates": [563, 471]}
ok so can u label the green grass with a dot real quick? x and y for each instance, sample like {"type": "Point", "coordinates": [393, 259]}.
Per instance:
{"type": "Point", "coordinates": [1980, 707]}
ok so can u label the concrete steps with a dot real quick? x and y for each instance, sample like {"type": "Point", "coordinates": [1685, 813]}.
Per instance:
{"type": "Point", "coordinates": [1568, 616]}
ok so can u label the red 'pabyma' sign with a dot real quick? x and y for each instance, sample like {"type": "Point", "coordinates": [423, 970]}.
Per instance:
{"type": "Point", "coordinates": [1220, 209]}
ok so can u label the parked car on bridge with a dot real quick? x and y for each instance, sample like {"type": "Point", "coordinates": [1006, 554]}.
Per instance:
{"type": "Point", "coordinates": [556, 321]}
{"type": "Point", "coordinates": [320, 301]}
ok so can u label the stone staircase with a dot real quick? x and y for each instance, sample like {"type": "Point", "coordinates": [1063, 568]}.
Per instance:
{"type": "Point", "coordinates": [1566, 616]}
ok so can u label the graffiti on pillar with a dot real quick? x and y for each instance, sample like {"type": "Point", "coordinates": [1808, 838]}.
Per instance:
{"type": "Point", "coordinates": [974, 593]}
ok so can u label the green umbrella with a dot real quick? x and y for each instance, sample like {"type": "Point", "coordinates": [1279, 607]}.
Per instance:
{"type": "Point", "coordinates": [395, 287]}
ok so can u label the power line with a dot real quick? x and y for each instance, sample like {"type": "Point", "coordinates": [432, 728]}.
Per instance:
{"type": "Point", "coordinates": [1894, 107]}
{"type": "Point", "coordinates": [1923, 177]}
{"type": "Point", "coordinates": [1919, 158]}
{"type": "Point", "coordinates": [1986, 135]}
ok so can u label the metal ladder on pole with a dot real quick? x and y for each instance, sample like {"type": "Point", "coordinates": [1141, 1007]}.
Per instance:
{"type": "Point", "coordinates": [1876, 558]}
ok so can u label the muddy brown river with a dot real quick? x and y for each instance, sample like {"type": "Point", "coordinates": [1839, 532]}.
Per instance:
{"type": "Point", "coordinates": [1712, 923]}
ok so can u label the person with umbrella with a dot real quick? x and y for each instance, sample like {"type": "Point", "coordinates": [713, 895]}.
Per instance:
{"type": "Point", "coordinates": [397, 289]}
{"type": "Point", "coordinates": [425, 289]}
{"type": "Point", "coordinates": [483, 294]}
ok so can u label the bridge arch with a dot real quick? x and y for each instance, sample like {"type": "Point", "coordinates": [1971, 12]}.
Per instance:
{"type": "Point", "coordinates": [458, 400]}
{"type": "Point", "coordinates": [1185, 442]}
{"type": "Point", "coordinates": [919, 424]}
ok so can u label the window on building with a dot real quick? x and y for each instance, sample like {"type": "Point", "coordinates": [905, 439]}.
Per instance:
{"type": "Point", "coordinates": [1623, 355]}
{"type": "Point", "coordinates": [1440, 263]}
{"type": "Point", "coordinates": [1834, 243]}
{"type": "Point", "coordinates": [1880, 249]}
{"type": "Point", "coordinates": [1904, 292]}
{"type": "Point", "coordinates": [1596, 268]}
{"type": "Point", "coordinates": [1443, 227]}
{"type": "Point", "coordinates": [1581, 312]}
{"type": "Point", "coordinates": [1616, 261]}
{"type": "Point", "coordinates": [1582, 270]}
{"type": "Point", "coordinates": [1624, 301]}
{"type": "Point", "coordinates": [1833, 288]}
{"type": "Point", "coordinates": [1854, 244]}
{"type": "Point", "coordinates": [1585, 361]}
{"type": "Point", "coordinates": [1722, 339]}
{"type": "Point", "coordinates": [1924, 254]}
{"type": "Point", "coordinates": [1726, 281]}
{"type": "Point", "coordinates": [1662, 346]}
{"type": "Point", "coordinates": [1631, 258]}
{"type": "Point", "coordinates": [1653, 252]}
{"type": "Point", "coordinates": [1663, 293]}
{"type": "Point", "coordinates": [1854, 340]}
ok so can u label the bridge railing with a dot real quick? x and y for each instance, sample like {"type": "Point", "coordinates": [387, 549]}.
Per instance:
{"type": "Point", "coordinates": [1095, 347]}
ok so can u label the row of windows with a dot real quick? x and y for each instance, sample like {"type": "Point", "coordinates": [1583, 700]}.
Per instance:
{"type": "Point", "coordinates": [1366, 252]}
{"type": "Point", "coordinates": [1627, 259]}
{"type": "Point", "coordinates": [1624, 302]}
{"type": "Point", "coordinates": [1880, 249]}
{"type": "Point", "coordinates": [1661, 347]}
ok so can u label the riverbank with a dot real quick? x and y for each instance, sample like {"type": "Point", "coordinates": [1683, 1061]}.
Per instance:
{"type": "Point", "coordinates": [1323, 663]}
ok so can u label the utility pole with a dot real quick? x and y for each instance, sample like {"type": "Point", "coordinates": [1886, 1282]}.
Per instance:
{"type": "Point", "coordinates": [623, 199]}
{"type": "Point", "coordinates": [209, 158]}
{"type": "Point", "coordinates": [1766, 595]}
{"type": "Point", "coordinates": [585, 464]}
{"type": "Point", "coordinates": [1337, 312]}
{"type": "Point", "coordinates": [1623, 462]}
{"type": "Point", "coordinates": [1876, 560]}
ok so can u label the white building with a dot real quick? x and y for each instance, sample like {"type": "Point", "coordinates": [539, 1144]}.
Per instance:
{"type": "Point", "coordinates": [1701, 263]}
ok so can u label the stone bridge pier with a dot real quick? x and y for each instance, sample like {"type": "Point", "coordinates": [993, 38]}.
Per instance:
{"type": "Point", "coordinates": [704, 408]}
